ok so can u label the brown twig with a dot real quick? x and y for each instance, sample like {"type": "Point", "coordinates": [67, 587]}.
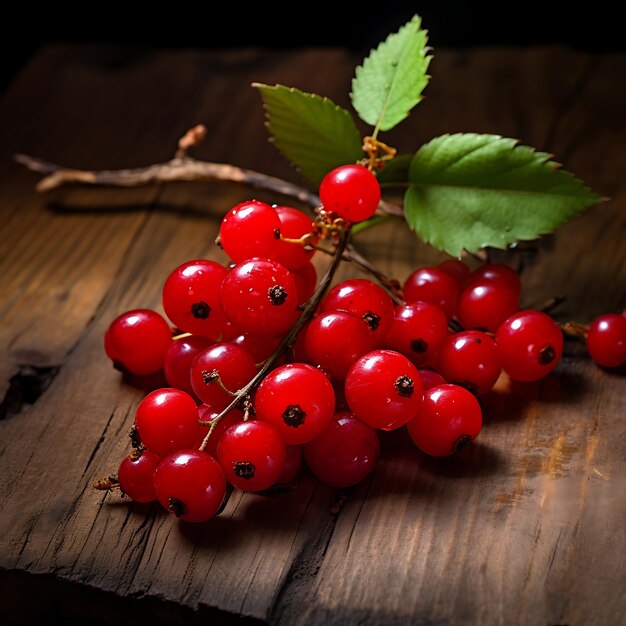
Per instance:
{"type": "Point", "coordinates": [178, 169]}
{"type": "Point", "coordinates": [575, 329]}
{"type": "Point", "coordinates": [245, 392]}
{"type": "Point", "coordinates": [181, 168]}
{"type": "Point", "coordinates": [391, 285]}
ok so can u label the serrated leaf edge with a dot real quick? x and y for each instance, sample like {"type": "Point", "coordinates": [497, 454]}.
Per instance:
{"type": "Point", "coordinates": [359, 68]}
{"type": "Point", "coordinates": [543, 157]}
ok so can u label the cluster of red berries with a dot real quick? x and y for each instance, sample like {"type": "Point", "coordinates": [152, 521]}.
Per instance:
{"type": "Point", "coordinates": [360, 363]}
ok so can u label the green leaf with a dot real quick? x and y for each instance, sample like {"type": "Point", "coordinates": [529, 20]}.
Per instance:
{"type": "Point", "coordinates": [314, 133]}
{"type": "Point", "coordinates": [468, 191]}
{"type": "Point", "coordinates": [390, 81]}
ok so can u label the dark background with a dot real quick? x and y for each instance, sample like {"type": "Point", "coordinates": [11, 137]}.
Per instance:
{"type": "Point", "coordinates": [306, 23]}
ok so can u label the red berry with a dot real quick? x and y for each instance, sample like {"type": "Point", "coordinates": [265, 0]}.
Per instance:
{"type": "Point", "coordinates": [178, 359]}
{"type": "Point", "coordinates": [230, 331]}
{"type": "Point", "coordinates": [431, 379]}
{"type": "Point", "coordinates": [449, 419]}
{"type": "Point", "coordinates": [433, 285]}
{"type": "Point", "coordinates": [190, 484]}
{"type": "Point", "coordinates": [259, 296]}
{"type": "Point", "coordinates": [497, 273]}
{"type": "Point", "coordinates": [457, 269]}
{"type": "Point", "coordinates": [417, 331]}
{"type": "Point", "coordinates": [606, 340]}
{"type": "Point", "coordinates": [167, 420]}
{"type": "Point", "coordinates": [252, 455]}
{"type": "Point", "coordinates": [486, 306]}
{"type": "Point", "coordinates": [470, 359]}
{"type": "Point", "coordinates": [136, 475]}
{"type": "Point", "coordinates": [293, 464]}
{"type": "Point", "coordinates": [137, 341]}
{"type": "Point", "coordinates": [351, 191]}
{"type": "Point", "coordinates": [191, 298]}
{"type": "Point", "coordinates": [259, 347]}
{"type": "Point", "coordinates": [335, 340]}
{"type": "Point", "coordinates": [345, 453]}
{"type": "Point", "coordinates": [384, 389]}
{"type": "Point", "coordinates": [530, 344]}
{"type": "Point", "coordinates": [298, 400]}
{"type": "Point", "coordinates": [251, 229]}
{"type": "Point", "coordinates": [233, 417]}
{"type": "Point", "coordinates": [234, 366]}
{"type": "Point", "coordinates": [294, 224]}
{"type": "Point", "coordinates": [306, 281]}
{"type": "Point", "coordinates": [365, 299]}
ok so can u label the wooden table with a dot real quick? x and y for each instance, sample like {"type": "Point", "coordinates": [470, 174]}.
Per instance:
{"type": "Point", "coordinates": [530, 528]}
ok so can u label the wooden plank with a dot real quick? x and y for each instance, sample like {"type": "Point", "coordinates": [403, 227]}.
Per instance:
{"type": "Point", "coordinates": [527, 529]}
{"type": "Point", "coordinates": [531, 528]}
{"type": "Point", "coordinates": [71, 530]}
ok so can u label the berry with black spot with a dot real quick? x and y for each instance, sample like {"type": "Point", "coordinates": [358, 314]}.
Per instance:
{"type": "Point", "coordinates": [252, 455]}
{"type": "Point", "coordinates": [449, 419]}
{"type": "Point", "coordinates": [298, 400]}
{"type": "Point", "coordinates": [191, 298]}
{"type": "Point", "coordinates": [384, 389]}
{"type": "Point", "coordinates": [260, 297]}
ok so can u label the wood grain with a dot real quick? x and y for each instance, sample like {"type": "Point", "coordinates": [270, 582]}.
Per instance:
{"type": "Point", "coordinates": [528, 528]}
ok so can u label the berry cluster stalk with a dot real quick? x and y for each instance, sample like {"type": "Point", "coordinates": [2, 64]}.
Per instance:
{"type": "Point", "coordinates": [244, 393]}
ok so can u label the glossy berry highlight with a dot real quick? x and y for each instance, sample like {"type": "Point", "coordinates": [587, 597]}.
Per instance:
{"type": "Point", "coordinates": [435, 286]}
{"type": "Point", "coordinates": [606, 340]}
{"type": "Point", "coordinates": [470, 359]}
{"type": "Point", "coordinates": [365, 299]}
{"type": "Point", "coordinates": [167, 420]}
{"type": "Point", "coordinates": [417, 331]}
{"type": "Point", "coordinates": [384, 389]}
{"type": "Point", "coordinates": [191, 298]}
{"type": "Point", "coordinates": [449, 419]}
{"type": "Point", "coordinates": [260, 297]}
{"type": "Point", "coordinates": [298, 400]}
{"type": "Point", "coordinates": [252, 455]}
{"type": "Point", "coordinates": [486, 306]}
{"type": "Point", "coordinates": [137, 341]}
{"type": "Point", "coordinates": [190, 484]}
{"type": "Point", "coordinates": [350, 191]}
{"type": "Point", "coordinates": [178, 360]}
{"type": "Point", "coordinates": [295, 225]}
{"type": "Point", "coordinates": [334, 340]}
{"type": "Point", "coordinates": [251, 229]}
{"type": "Point", "coordinates": [218, 370]}
{"type": "Point", "coordinates": [136, 475]}
{"type": "Point", "coordinates": [530, 344]}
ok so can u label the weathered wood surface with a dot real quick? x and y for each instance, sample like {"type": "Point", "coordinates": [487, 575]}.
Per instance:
{"type": "Point", "coordinates": [530, 528]}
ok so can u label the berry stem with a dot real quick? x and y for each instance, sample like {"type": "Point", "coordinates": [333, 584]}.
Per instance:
{"type": "Point", "coordinates": [244, 393]}
{"type": "Point", "coordinates": [575, 329]}
{"type": "Point", "coordinates": [107, 484]}
{"type": "Point", "coordinates": [391, 285]}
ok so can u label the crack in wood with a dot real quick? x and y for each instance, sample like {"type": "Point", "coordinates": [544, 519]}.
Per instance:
{"type": "Point", "coordinates": [26, 387]}
{"type": "Point", "coordinates": [296, 588]}
{"type": "Point", "coordinates": [99, 442]}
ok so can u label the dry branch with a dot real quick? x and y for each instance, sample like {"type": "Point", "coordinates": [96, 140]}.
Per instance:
{"type": "Point", "coordinates": [180, 168]}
